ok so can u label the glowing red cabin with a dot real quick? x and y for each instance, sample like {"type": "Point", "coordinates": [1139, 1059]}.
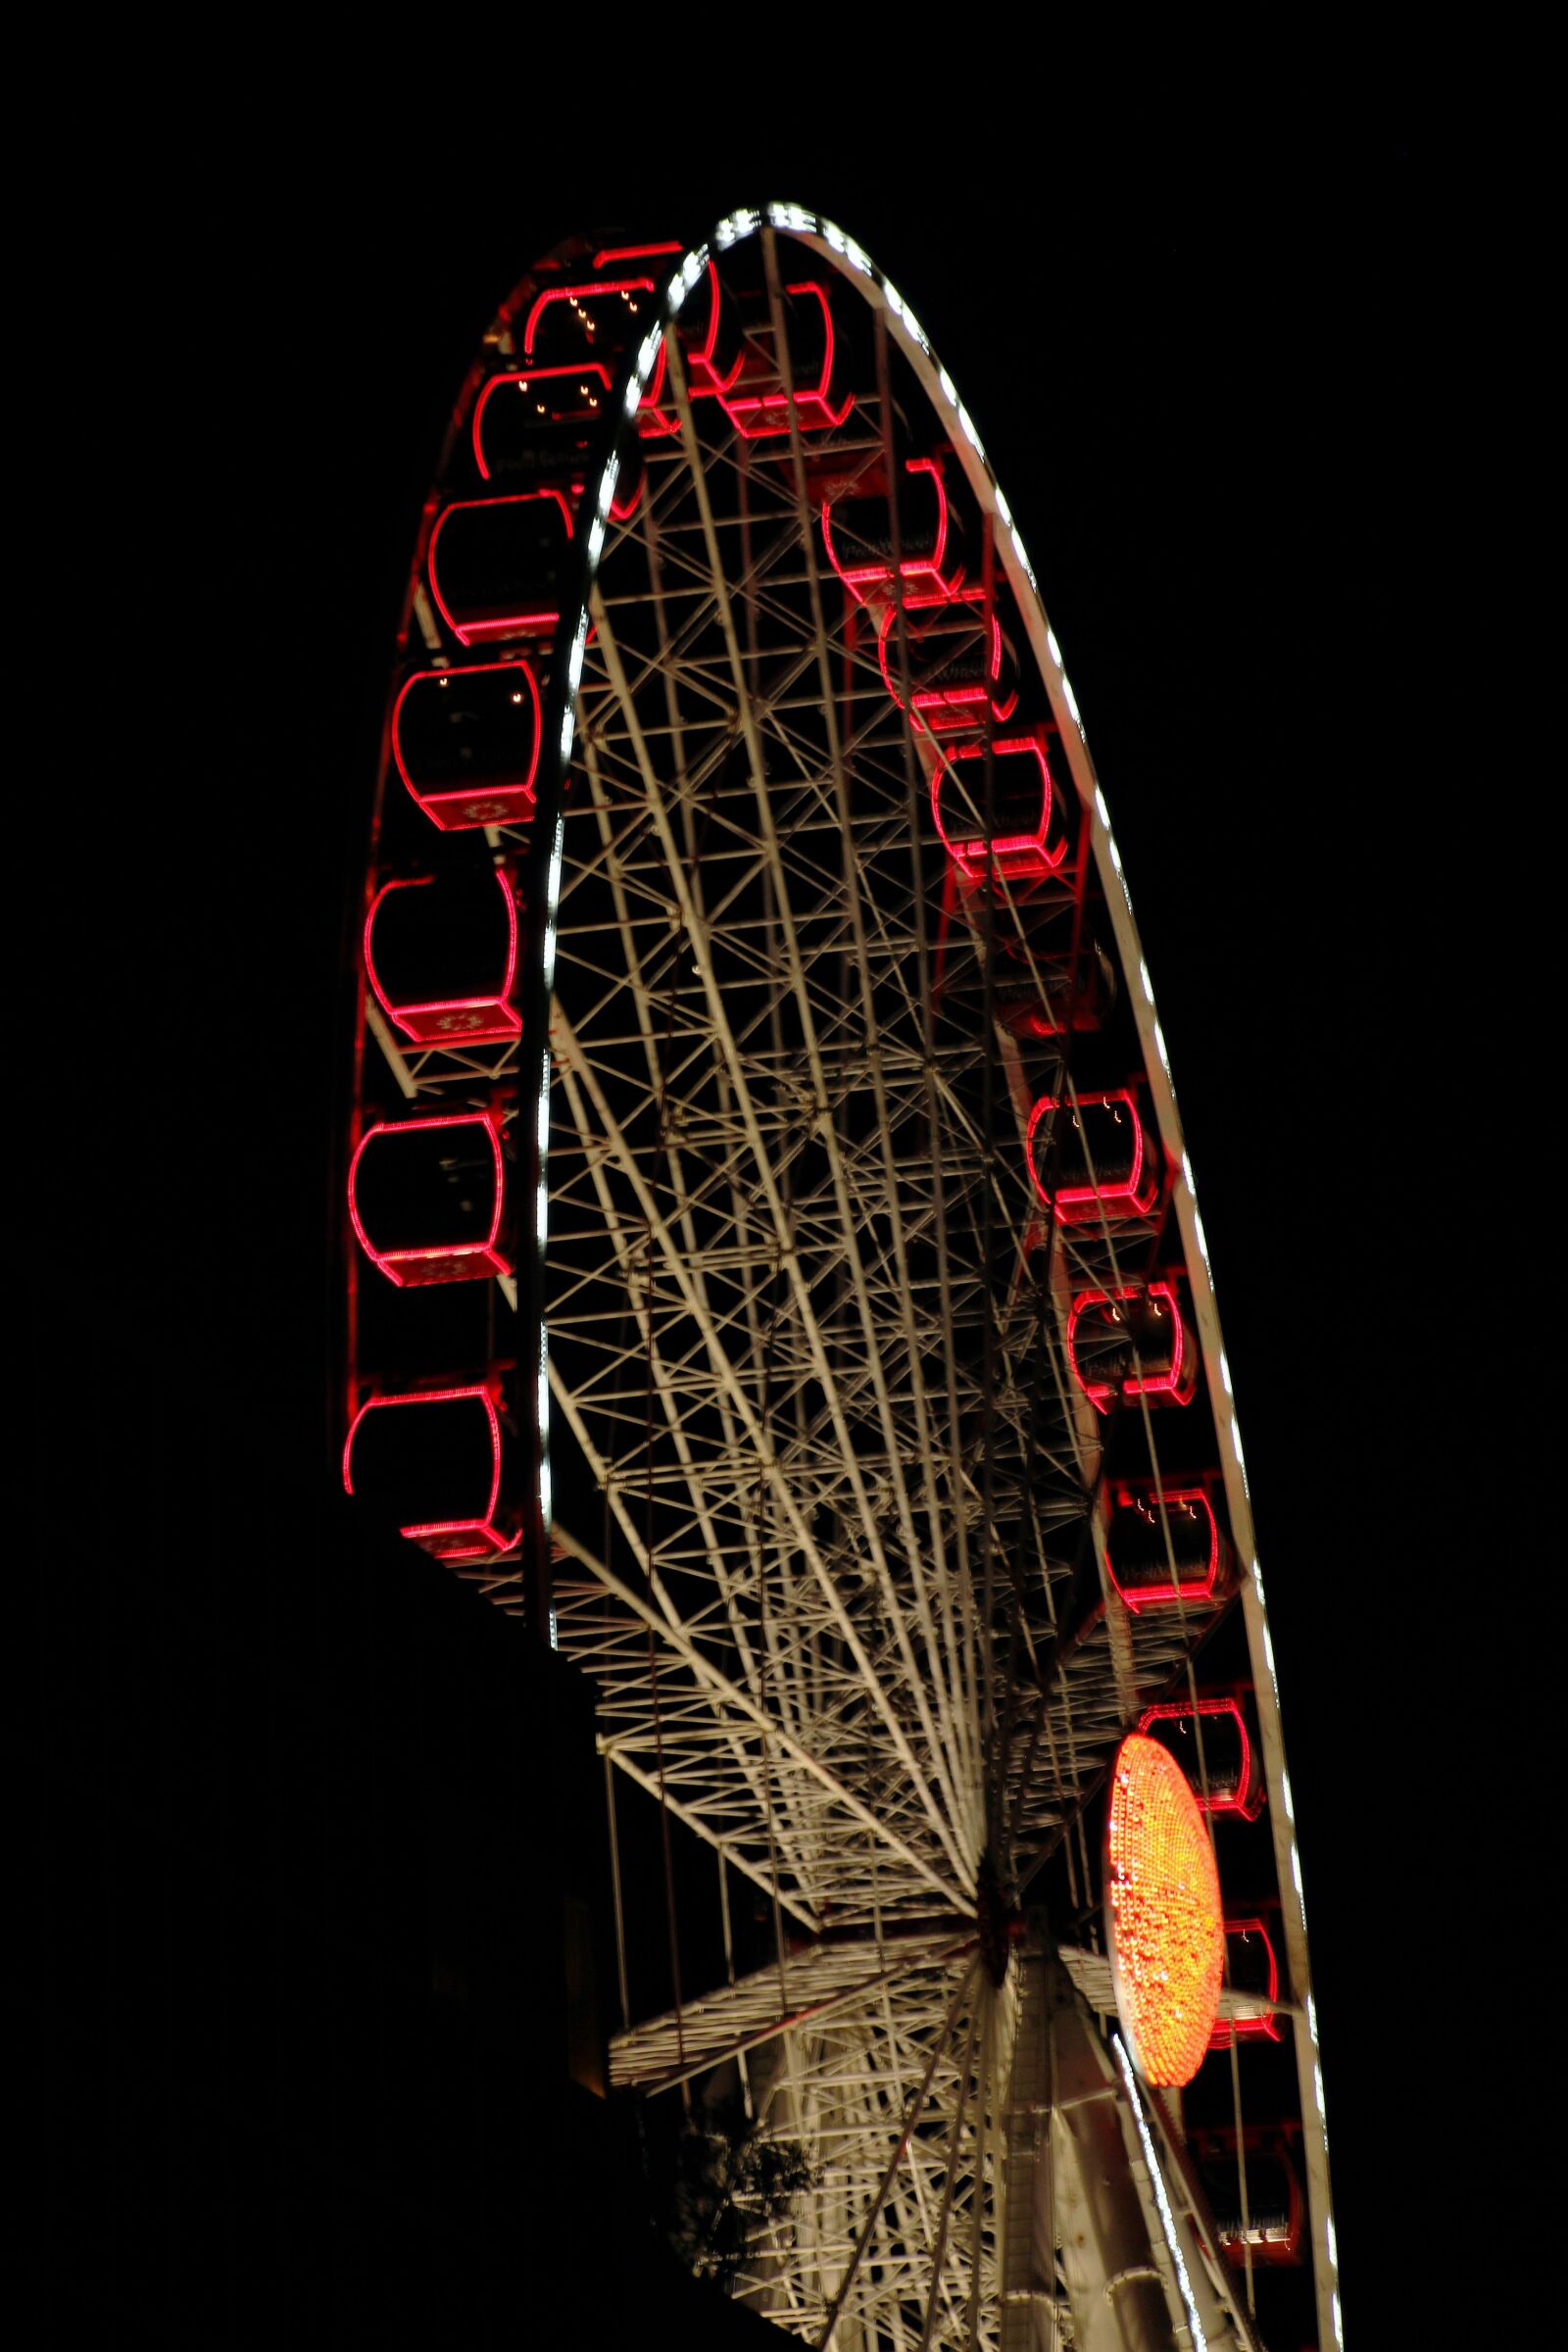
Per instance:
{"type": "Point", "coordinates": [430, 1461]}
{"type": "Point", "coordinates": [1040, 996]}
{"type": "Point", "coordinates": [539, 426]}
{"type": "Point", "coordinates": [599, 314]}
{"type": "Point", "coordinates": [1023, 840]}
{"type": "Point", "coordinates": [465, 743]}
{"type": "Point", "coordinates": [963, 672]}
{"type": "Point", "coordinates": [1231, 1772]}
{"type": "Point", "coordinates": [857, 534]}
{"type": "Point", "coordinates": [1147, 1531]}
{"type": "Point", "coordinates": [756, 403]}
{"type": "Point", "coordinates": [1131, 1341]}
{"type": "Point", "coordinates": [1252, 1970]}
{"type": "Point", "coordinates": [1275, 2230]}
{"type": "Point", "coordinates": [498, 566]}
{"type": "Point", "coordinates": [426, 1196]}
{"type": "Point", "coordinates": [1092, 1158]}
{"type": "Point", "coordinates": [441, 956]}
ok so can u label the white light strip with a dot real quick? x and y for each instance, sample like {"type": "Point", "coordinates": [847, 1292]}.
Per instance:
{"type": "Point", "coordinates": [1168, 2220]}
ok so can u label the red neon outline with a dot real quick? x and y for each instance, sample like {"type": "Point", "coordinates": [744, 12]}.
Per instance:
{"type": "Point", "coordinates": [526, 377]}
{"type": "Point", "coordinates": [429, 802]}
{"type": "Point", "coordinates": [542, 302]}
{"type": "Point", "coordinates": [1147, 1597]}
{"type": "Point", "coordinates": [421, 1529]}
{"type": "Point", "coordinates": [1248, 1802]}
{"type": "Point", "coordinates": [1011, 854]}
{"type": "Point", "coordinates": [865, 575]}
{"type": "Point", "coordinates": [1165, 1384]}
{"type": "Point", "coordinates": [388, 1261]}
{"type": "Point", "coordinates": [744, 412]}
{"type": "Point", "coordinates": [1250, 2029]}
{"type": "Point", "coordinates": [509, 624]}
{"type": "Point", "coordinates": [699, 359]}
{"type": "Point", "coordinates": [934, 704]}
{"type": "Point", "coordinates": [1078, 1203]}
{"type": "Point", "coordinates": [403, 1017]}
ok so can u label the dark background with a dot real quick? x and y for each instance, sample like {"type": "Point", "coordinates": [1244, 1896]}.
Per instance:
{"type": "Point", "coordinates": [305, 1816]}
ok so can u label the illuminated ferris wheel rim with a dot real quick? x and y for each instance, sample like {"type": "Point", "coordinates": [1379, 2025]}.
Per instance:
{"type": "Point", "coordinates": [632, 382]}
{"type": "Point", "coordinates": [850, 260]}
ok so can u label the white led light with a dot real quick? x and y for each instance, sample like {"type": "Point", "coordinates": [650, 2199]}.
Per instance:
{"type": "Point", "coordinates": [1201, 1236]}
{"type": "Point", "coordinates": [544, 1399]}
{"type": "Point", "coordinates": [966, 429]}
{"type": "Point", "coordinates": [596, 546]}
{"type": "Point", "coordinates": [1160, 1034]}
{"type": "Point", "coordinates": [549, 957]}
{"type": "Point", "coordinates": [1235, 1444]}
{"type": "Point", "coordinates": [778, 217]}
{"type": "Point", "coordinates": [1006, 513]}
{"type": "Point", "coordinates": [1101, 808]}
{"type": "Point", "coordinates": [1166, 2219]}
{"type": "Point", "coordinates": [833, 235]}
{"type": "Point", "coordinates": [568, 725]}
{"type": "Point", "coordinates": [1054, 651]}
{"type": "Point", "coordinates": [1113, 851]}
{"type": "Point", "coordinates": [892, 298]}
{"type": "Point", "coordinates": [1318, 2088]}
{"type": "Point", "coordinates": [552, 884]}
{"type": "Point", "coordinates": [1225, 1378]}
{"type": "Point", "coordinates": [554, 1631]}
{"type": "Point", "coordinates": [1021, 552]}
{"type": "Point", "coordinates": [1148, 984]}
{"type": "Point", "coordinates": [542, 1122]}
{"type": "Point", "coordinates": [1269, 1656]}
{"type": "Point", "coordinates": [546, 1488]}
{"type": "Point", "coordinates": [1333, 2234]}
{"type": "Point", "coordinates": [1295, 1867]}
{"type": "Point", "coordinates": [950, 391]}
{"type": "Point", "coordinates": [1071, 701]}
{"type": "Point", "coordinates": [856, 256]}
{"type": "Point", "coordinates": [1286, 1798]}
{"type": "Point", "coordinates": [1339, 2325]}
{"type": "Point", "coordinates": [917, 331]}
{"type": "Point", "coordinates": [541, 1214]}
{"type": "Point", "coordinates": [635, 393]}
{"type": "Point", "coordinates": [692, 268]}
{"type": "Point", "coordinates": [1312, 2027]}
{"type": "Point", "coordinates": [606, 485]}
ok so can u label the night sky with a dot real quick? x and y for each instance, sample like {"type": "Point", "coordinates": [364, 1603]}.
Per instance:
{"type": "Point", "coordinates": [1215, 383]}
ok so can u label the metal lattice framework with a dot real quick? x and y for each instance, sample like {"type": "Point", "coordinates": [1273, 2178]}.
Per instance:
{"type": "Point", "coordinates": [833, 1494]}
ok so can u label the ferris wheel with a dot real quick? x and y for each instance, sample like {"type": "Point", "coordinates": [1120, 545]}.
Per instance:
{"type": "Point", "coordinates": [776, 1272]}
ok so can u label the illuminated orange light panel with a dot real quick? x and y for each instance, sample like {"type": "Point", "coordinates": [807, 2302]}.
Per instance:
{"type": "Point", "coordinates": [1167, 1934]}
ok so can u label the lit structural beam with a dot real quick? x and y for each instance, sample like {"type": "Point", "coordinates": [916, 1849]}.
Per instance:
{"type": "Point", "coordinates": [674, 1635]}
{"type": "Point", "coordinates": [570, 1404]}
{"type": "Point", "coordinates": [963, 1863]}
{"type": "Point", "coordinates": [699, 1264]}
{"type": "Point", "coordinates": [809, 2012]}
{"type": "Point", "coordinates": [616, 1754]}
{"type": "Point", "coordinates": [961, 1715]}
{"type": "Point", "coordinates": [948, 1743]}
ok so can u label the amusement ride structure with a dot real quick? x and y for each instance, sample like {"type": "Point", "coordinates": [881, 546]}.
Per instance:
{"type": "Point", "coordinates": [775, 1272]}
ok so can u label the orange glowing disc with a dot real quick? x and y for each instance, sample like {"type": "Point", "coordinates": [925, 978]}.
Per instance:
{"type": "Point", "coordinates": [1165, 1928]}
